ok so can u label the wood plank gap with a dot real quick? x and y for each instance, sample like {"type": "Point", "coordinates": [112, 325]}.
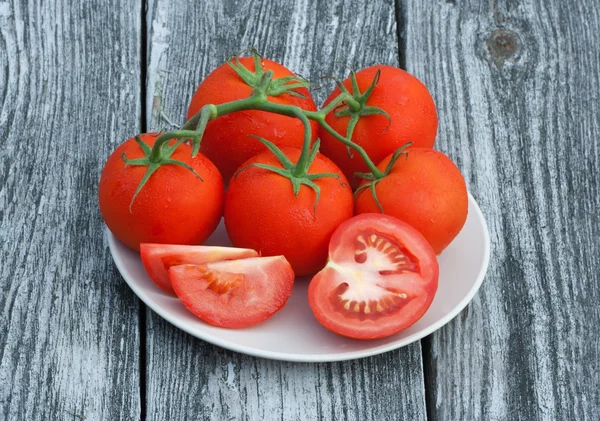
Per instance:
{"type": "Point", "coordinates": [143, 71]}
{"type": "Point", "coordinates": [428, 375]}
{"type": "Point", "coordinates": [143, 354]}
{"type": "Point", "coordinates": [400, 19]}
{"type": "Point", "coordinates": [143, 127]}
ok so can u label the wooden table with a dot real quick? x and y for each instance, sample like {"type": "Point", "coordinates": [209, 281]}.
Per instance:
{"type": "Point", "coordinates": [517, 85]}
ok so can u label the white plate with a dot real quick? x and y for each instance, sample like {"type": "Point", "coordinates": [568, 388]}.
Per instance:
{"type": "Point", "coordinates": [293, 334]}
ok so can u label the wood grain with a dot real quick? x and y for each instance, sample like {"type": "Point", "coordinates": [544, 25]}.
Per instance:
{"type": "Point", "coordinates": [187, 378]}
{"type": "Point", "coordinates": [517, 85]}
{"type": "Point", "coordinates": [69, 93]}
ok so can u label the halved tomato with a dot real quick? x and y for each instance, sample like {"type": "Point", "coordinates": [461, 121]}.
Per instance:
{"type": "Point", "coordinates": [236, 293]}
{"type": "Point", "coordinates": [158, 258]}
{"type": "Point", "coordinates": [381, 278]}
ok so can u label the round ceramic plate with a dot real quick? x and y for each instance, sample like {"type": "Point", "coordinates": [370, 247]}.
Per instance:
{"type": "Point", "coordinates": [293, 334]}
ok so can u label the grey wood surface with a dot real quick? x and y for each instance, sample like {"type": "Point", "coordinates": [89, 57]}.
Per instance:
{"type": "Point", "coordinates": [69, 93]}
{"type": "Point", "coordinates": [517, 84]}
{"type": "Point", "coordinates": [189, 378]}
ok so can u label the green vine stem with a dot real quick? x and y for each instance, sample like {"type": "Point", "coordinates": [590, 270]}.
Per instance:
{"type": "Point", "coordinates": [346, 141]}
{"type": "Point", "coordinates": [263, 86]}
{"type": "Point", "coordinates": [210, 112]}
{"type": "Point", "coordinates": [372, 180]}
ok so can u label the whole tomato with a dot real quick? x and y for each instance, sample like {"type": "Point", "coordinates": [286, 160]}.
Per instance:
{"type": "Point", "coordinates": [425, 190]}
{"type": "Point", "coordinates": [225, 141]}
{"type": "Point", "coordinates": [409, 105]}
{"type": "Point", "coordinates": [262, 213]}
{"type": "Point", "coordinates": [173, 207]}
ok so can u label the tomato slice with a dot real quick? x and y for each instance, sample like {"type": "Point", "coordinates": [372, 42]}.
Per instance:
{"type": "Point", "coordinates": [381, 278]}
{"type": "Point", "coordinates": [236, 293]}
{"type": "Point", "coordinates": [158, 258]}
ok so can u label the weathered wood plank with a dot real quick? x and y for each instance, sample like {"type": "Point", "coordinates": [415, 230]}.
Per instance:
{"type": "Point", "coordinates": [69, 93]}
{"type": "Point", "coordinates": [517, 84]}
{"type": "Point", "coordinates": [187, 377]}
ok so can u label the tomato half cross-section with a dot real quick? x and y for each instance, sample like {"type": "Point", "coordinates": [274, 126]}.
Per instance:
{"type": "Point", "coordinates": [158, 258]}
{"type": "Point", "coordinates": [381, 278]}
{"type": "Point", "coordinates": [235, 293]}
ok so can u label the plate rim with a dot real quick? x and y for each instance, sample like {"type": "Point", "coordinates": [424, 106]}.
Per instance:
{"type": "Point", "coordinates": [311, 358]}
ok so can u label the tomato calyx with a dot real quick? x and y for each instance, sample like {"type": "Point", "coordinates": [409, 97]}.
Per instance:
{"type": "Point", "coordinates": [374, 179]}
{"type": "Point", "coordinates": [276, 87]}
{"type": "Point", "coordinates": [296, 173]}
{"type": "Point", "coordinates": [154, 158]}
{"type": "Point", "coordinates": [356, 106]}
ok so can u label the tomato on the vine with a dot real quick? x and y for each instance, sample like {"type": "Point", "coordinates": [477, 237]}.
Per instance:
{"type": "Point", "coordinates": [262, 213]}
{"type": "Point", "coordinates": [425, 190]}
{"type": "Point", "coordinates": [226, 140]}
{"type": "Point", "coordinates": [174, 206]}
{"type": "Point", "coordinates": [412, 112]}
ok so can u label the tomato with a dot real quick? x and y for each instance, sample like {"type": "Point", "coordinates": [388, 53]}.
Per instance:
{"type": "Point", "coordinates": [426, 190]}
{"type": "Point", "coordinates": [381, 278]}
{"type": "Point", "coordinates": [225, 141]}
{"type": "Point", "coordinates": [404, 98]}
{"type": "Point", "coordinates": [158, 258]}
{"type": "Point", "coordinates": [262, 213]}
{"type": "Point", "coordinates": [235, 293]}
{"type": "Point", "coordinates": [174, 207]}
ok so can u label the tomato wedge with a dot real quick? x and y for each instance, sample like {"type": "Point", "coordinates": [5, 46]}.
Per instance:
{"type": "Point", "coordinates": [381, 278]}
{"type": "Point", "coordinates": [235, 293]}
{"type": "Point", "coordinates": [158, 258]}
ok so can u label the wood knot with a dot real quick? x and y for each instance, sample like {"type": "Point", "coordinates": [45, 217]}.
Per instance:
{"type": "Point", "coordinates": [504, 45]}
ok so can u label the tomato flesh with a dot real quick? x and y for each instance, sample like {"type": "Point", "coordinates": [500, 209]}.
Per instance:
{"type": "Point", "coordinates": [236, 293]}
{"type": "Point", "coordinates": [381, 278]}
{"type": "Point", "coordinates": [158, 258]}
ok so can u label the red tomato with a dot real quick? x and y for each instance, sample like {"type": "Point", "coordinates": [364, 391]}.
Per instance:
{"type": "Point", "coordinates": [235, 293]}
{"type": "Point", "coordinates": [158, 258]}
{"type": "Point", "coordinates": [425, 190]}
{"type": "Point", "coordinates": [174, 206]}
{"type": "Point", "coordinates": [225, 141]}
{"type": "Point", "coordinates": [262, 213]}
{"type": "Point", "coordinates": [381, 278]}
{"type": "Point", "coordinates": [404, 98]}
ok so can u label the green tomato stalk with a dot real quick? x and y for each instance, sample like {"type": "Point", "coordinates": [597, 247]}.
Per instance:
{"type": "Point", "coordinates": [264, 86]}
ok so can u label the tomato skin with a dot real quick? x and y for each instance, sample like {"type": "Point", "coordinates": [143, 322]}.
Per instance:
{"type": "Point", "coordinates": [225, 141]}
{"type": "Point", "coordinates": [264, 284]}
{"type": "Point", "coordinates": [418, 283]}
{"type": "Point", "coordinates": [407, 101]}
{"type": "Point", "coordinates": [425, 190]}
{"type": "Point", "coordinates": [157, 258]}
{"type": "Point", "coordinates": [174, 207]}
{"type": "Point", "coordinates": [262, 213]}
